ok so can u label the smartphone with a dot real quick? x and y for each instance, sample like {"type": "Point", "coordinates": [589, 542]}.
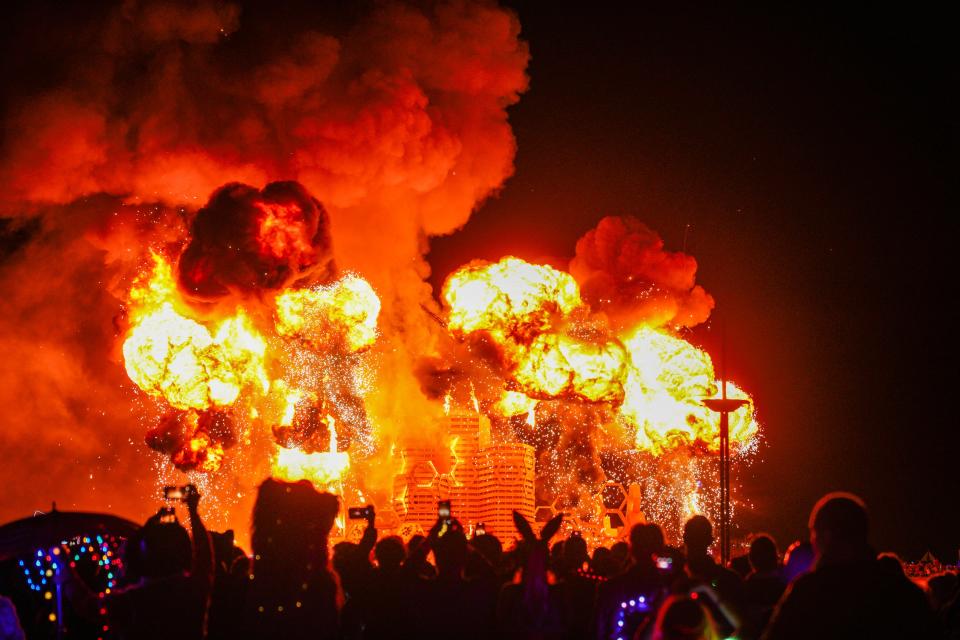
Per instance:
{"type": "Point", "coordinates": [443, 510]}
{"type": "Point", "coordinates": [167, 515]}
{"type": "Point", "coordinates": [358, 513]}
{"type": "Point", "coordinates": [480, 530]}
{"type": "Point", "coordinates": [664, 563]}
{"type": "Point", "coordinates": [173, 493]}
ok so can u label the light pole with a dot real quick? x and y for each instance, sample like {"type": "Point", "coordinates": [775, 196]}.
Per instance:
{"type": "Point", "coordinates": [724, 406]}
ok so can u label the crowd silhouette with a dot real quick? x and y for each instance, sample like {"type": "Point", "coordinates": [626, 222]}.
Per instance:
{"type": "Point", "coordinates": [446, 585]}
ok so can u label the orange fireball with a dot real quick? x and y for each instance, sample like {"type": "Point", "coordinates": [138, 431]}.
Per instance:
{"type": "Point", "coordinates": [194, 365]}
{"type": "Point", "coordinates": [511, 299]}
{"type": "Point", "coordinates": [656, 381]}
{"type": "Point", "coordinates": [343, 313]}
{"type": "Point", "coordinates": [182, 361]}
{"type": "Point", "coordinates": [667, 382]}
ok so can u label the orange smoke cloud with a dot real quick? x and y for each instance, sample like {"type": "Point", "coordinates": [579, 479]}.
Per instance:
{"type": "Point", "coordinates": [395, 120]}
{"type": "Point", "coordinates": [624, 270]}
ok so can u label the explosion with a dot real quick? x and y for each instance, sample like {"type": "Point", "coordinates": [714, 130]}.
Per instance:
{"type": "Point", "coordinates": [204, 371]}
{"type": "Point", "coordinates": [605, 390]}
{"type": "Point", "coordinates": [245, 239]}
{"type": "Point", "coordinates": [551, 347]}
{"type": "Point", "coordinates": [175, 358]}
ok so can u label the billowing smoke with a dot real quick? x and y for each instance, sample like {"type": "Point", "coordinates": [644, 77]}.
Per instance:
{"type": "Point", "coordinates": [623, 269]}
{"type": "Point", "coordinates": [247, 240]}
{"type": "Point", "coordinates": [125, 120]}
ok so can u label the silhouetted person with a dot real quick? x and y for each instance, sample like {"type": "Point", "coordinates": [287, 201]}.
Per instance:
{"type": "Point", "coordinates": [231, 574]}
{"type": "Point", "coordinates": [352, 563]}
{"type": "Point", "coordinates": [684, 618]}
{"type": "Point", "coordinates": [740, 565]}
{"type": "Point", "coordinates": [620, 556]}
{"type": "Point", "coordinates": [848, 594]}
{"type": "Point", "coordinates": [450, 605]}
{"type": "Point", "coordinates": [489, 547]}
{"type": "Point", "coordinates": [578, 591]}
{"type": "Point", "coordinates": [292, 593]}
{"type": "Point", "coordinates": [602, 563]}
{"type": "Point", "coordinates": [386, 612]}
{"type": "Point", "coordinates": [556, 557]}
{"type": "Point", "coordinates": [531, 608]}
{"type": "Point", "coordinates": [763, 586]}
{"type": "Point", "coordinates": [891, 563]}
{"type": "Point", "coordinates": [702, 569]}
{"type": "Point", "coordinates": [170, 596]}
{"type": "Point", "coordinates": [950, 617]}
{"type": "Point", "coordinates": [642, 583]}
{"type": "Point", "coordinates": [390, 553]}
{"type": "Point", "coordinates": [417, 561]}
{"type": "Point", "coordinates": [942, 588]}
{"type": "Point", "coordinates": [797, 560]}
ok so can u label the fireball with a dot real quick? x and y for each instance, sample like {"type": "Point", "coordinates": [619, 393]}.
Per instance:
{"type": "Point", "coordinates": [534, 314]}
{"type": "Point", "coordinates": [664, 391]}
{"type": "Point", "coordinates": [175, 358]}
{"type": "Point", "coordinates": [196, 365]}
{"type": "Point", "coordinates": [344, 312]}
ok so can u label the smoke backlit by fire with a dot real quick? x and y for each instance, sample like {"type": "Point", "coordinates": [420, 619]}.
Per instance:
{"type": "Point", "coordinates": [225, 260]}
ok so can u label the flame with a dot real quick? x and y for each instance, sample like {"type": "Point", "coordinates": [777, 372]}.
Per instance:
{"type": "Point", "coordinates": [282, 230]}
{"type": "Point", "coordinates": [200, 454]}
{"type": "Point", "coordinates": [514, 403]}
{"type": "Point", "coordinates": [345, 311]}
{"type": "Point", "coordinates": [553, 348]}
{"type": "Point", "coordinates": [665, 388]}
{"type": "Point", "coordinates": [324, 469]}
{"type": "Point", "coordinates": [557, 365]}
{"type": "Point", "coordinates": [509, 299]}
{"type": "Point", "coordinates": [523, 307]}
{"type": "Point", "coordinates": [193, 365]}
{"type": "Point", "coordinates": [172, 357]}
{"type": "Point", "coordinates": [692, 505]}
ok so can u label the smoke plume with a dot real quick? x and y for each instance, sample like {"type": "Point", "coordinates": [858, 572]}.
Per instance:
{"type": "Point", "coordinates": [623, 269]}
{"type": "Point", "coordinates": [129, 116]}
{"type": "Point", "coordinates": [250, 240]}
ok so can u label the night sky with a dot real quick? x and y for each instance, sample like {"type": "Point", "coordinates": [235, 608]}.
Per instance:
{"type": "Point", "coordinates": [808, 162]}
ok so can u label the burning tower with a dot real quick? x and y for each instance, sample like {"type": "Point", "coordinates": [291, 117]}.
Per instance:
{"type": "Point", "coordinates": [485, 483]}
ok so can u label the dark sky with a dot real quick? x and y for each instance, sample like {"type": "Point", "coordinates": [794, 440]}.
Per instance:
{"type": "Point", "coordinates": [812, 156]}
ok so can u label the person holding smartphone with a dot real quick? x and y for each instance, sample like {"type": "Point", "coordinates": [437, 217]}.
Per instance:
{"type": "Point", "coordinates": [169, 599]}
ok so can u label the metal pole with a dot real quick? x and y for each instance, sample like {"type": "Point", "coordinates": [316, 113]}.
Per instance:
{"type": "Point", "coordinates": [725, 488]}
{"type": "Point", "coordinates": [724, 406]}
